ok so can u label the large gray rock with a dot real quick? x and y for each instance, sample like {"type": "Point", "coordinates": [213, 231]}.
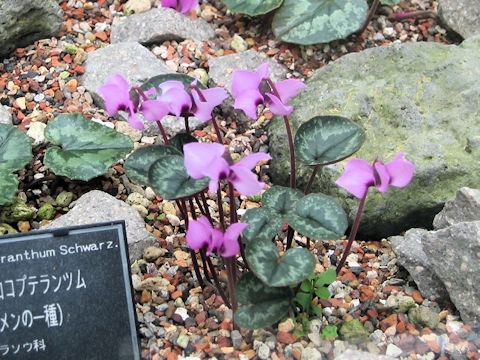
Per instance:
{"type": "Point", "coordinates": [24, 21]}
{"type": "Point", "coordinates": [129, 59]}
{"type": "Point", "coordinates": [159, 25]}
{"type": "Point", "coordinates": [410, 254]}
{"type": "Point", "coordinates": [420, 98]}
{"type": "Point", "coordinates": [462, 16]}
{"type": "Point", "coordinates": [454, 254]}
{"type": "Point", "coordinates": [5, 116]}
{"type": "Point", "coordinates": [96, 207]}
{"type": "Point", "coordinates": [465, 207]}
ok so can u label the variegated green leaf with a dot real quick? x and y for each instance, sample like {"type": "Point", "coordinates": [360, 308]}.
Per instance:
{"type": "Point", "coordinates": [15, 148]}
{"type": "Point", "coordinates": [8, 187]}
{"type": "Point", "coordinates": [157, 80]}
{"type": "Point", "coordinates": [318, 21]}
{"type": "Point", "coordinates": [87, 150]}
{"type": "Point", "coordinates": [318, 216]}
{"type": "Point", "coordinates": [252, 7]}
{"type": "Point", "coordinates": [327, 139]}
{"type": "Point", "coordinates": [261, 305]}
{"type": "Point", "coordinates": [168, 177]}
{"type": "Point", "coordinates": [281, 199]}
{"type": "Point", "coordinates": [265, 261]}
{"type": "Point", "coordinates": [263, 223]}
{"type": "Point", "coordinates": [139, 162]}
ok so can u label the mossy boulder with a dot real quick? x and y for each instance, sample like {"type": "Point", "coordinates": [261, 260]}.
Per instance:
{"type": "Point", "coordinates": [16, 211]}
{"type": "Point", "coordinates": [7, 229]}
{"type": "Point", "coordinates": [423, 316]}
{"type": "Point", "coordinates": [419, 98]}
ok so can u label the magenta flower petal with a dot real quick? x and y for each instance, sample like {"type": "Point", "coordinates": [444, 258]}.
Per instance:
{"type": "Point", "coordinates": [170, 4]}
{"type": "Point", "coordinates": [198, 234]}
{"type": "Point", "coordinates": [203, 159]}
{"type": "Point", "coordinates": [134, 121]}
{"type": "Point", "coordinates": [382, 177]}
{"type": "Point", "coordinates": [262, 71]}
{"type": "Point", "coordinates": [250, 161]}
{"type": "Point", "coordinates": [245, 181]}
{"type": "Point", "coordinates": [248, 102]}
{"type": "Point", "coordinates": [203, 109]}
{"type": "Point", "coordinates": [115, 92]}
{"type": "Point", "coordinates": [400, 170]}
{"type": "Point", "coordinates": [154, 110]}
{"type": "Point", "coordinates": [176, 97]}
{"type": "Point", "coordinates": [230, 246]}
{"type": "Point", "coordinates": [187, 5]}
{"type": "Point", "coordinates": [288, 88]}
{"type": "Point", "coordinates": [216, 241]}
{"type": "Point", "coordinates": [358, 176]}
{"type": "Point", "coordinates": [276, 106]}
{"type": "Point", "coordinates": [243, 81]}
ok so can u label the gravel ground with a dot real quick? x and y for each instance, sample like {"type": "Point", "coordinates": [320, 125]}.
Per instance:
{"type": "Point", "coordinates": [177, 318]}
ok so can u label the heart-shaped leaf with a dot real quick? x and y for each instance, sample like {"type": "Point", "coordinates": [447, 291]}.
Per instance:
{"type": "Point", "coordinates": [318, 21]}
{"type": "Point", "coordinates": [327, 139]}
{"type": "Point", "coordinates": [265, 261]}
{"type": "Point", "coordinates": [181, 139]}
{"type": "Point", "coordinates": [15, 148]}
{"type": "Point", "coordinates": [263, 223]}
{"type": "Point", "coordinates": [281, 199]}
{"type": "Point", "coordinates": [153, 82]}
{"type": "Point", "coordinates": [318, 216]}
{"type": "Point", "coordinates": [88, 148]}
{"type": "Point", "coordinates": [261, 305]}
{"type": "Point", "coordinates": [323, 293]}
{"type": "Point", "coordinates": [252, 7]}
{"type": "Point", "coordinates": [139, 162]}
{"type": "Point", "coordinates": [168, 177]}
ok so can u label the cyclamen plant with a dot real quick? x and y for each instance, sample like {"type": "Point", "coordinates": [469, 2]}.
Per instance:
{"type": "Point", "coordinates": [266, 277]}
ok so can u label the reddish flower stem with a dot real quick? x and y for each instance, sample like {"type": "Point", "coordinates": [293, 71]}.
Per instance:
{"type": "Point", "coordinates": [353, 233]}
{"type": "Point", "coordinates": [308, 188]}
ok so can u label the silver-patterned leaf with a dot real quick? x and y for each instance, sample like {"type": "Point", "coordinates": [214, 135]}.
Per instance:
{"type": "Point", "coordinates": [15, 148]}
{"type": "Point", "coordinates": [281, 199]}
{"type": "Point", "coordinates": [252, 7]}
{"type": "Point", "coordinates": [263, 223]}
{"type": "Point", "coordinates": [291, 268]}
{"type": "Point", "coordinates": [318, 21]}
{"type": "Point", "coordinates": [8, 187]}
{"type": "Point", "coordinates": [261, 305]}
{"type": "Point", "coordinates": [327, 139]}
{"type": "Point", "coordinates": [318, 216]}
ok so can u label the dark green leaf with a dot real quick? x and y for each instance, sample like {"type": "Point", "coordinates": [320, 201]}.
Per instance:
{"type": "Point", "coordinates": [181, 139]}
{"type": "Point", "coordinates": [323, 293]}
{"type": "Point", "coordinates": [168, 177]}
{"type": "Point", "coordinates": [252, 7]}
{"type": "Point", "coordinates": [281, 199]}
{"type": "Point", "coordinates": [307, 286]}
{"type": "Point", "coordinates": [326, 278]}
{"type": "Point", "coordinates": [139, 162]}
{"type": "Point", "coordinates": [389, 2]}
{"type": "Point", "coordinates": [265, 261]}
{"type": "Point", "coordinates": [15, 149]}
{"type": "Point", "coordinates": [327, 139]}
{"type": "Point", "coordinates": [159, 79]}
{"type": "Point", "coordinates": [318, 21]}
{"type": "Point", "coordinates": [261, 305]}
{"type": "Point", "coordinates": [88, 148]}
{"type": "Point", "coordinates": [263, 223]}
{"type": "Point", "coordinates": [318, 216]}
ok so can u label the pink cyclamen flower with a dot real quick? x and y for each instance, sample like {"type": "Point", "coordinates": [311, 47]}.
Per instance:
{"type": "Point", "coordinates": [247, 93]}
{"type": "Point", "coordinates": [205, 159]}
{"type": "Point", "coordinates": [359, 175]}
{"type": "Point", "coordinates": [182, 6]}
{"type": "Point", "coordinates": [175, 100]}
{"type": "Point", "coordinates": [116, 93]}
{"type": "Point", "coordinates": [202, 234]}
